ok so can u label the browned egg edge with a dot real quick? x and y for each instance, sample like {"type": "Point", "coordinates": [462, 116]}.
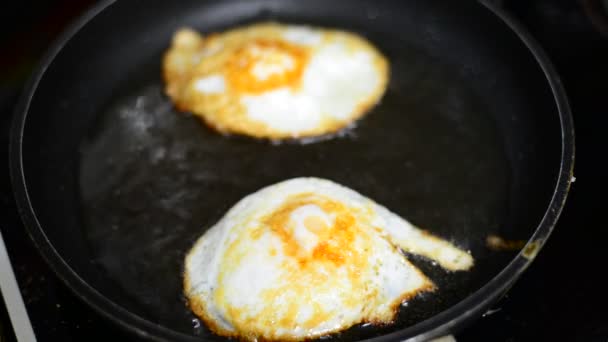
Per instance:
{"type": "Point", "coordinates": [198, 307]}
{"type": "Point", "coordinates": [262, 131]}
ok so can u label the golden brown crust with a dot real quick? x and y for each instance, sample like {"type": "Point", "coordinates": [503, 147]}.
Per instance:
{"type": "Point", "coordinates": [245, 327]}
{"type": "Point", "coordinates": [200, 309]}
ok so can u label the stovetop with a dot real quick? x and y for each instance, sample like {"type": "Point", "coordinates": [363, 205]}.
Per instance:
{"type": "Point", "coordinates": [562, 296]}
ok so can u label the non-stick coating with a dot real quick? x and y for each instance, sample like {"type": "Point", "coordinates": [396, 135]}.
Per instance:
{"type": "Point", "coordinates": [466, 143]}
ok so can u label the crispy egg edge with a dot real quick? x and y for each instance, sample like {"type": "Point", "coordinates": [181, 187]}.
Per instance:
{"type": "Point", "coordinates": [197, 305]}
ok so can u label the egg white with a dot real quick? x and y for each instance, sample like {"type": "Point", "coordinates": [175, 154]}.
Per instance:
{"type": "Point", "coordinates": [307, 257]}
{"type": "Point", "coordinates": [275, 81]}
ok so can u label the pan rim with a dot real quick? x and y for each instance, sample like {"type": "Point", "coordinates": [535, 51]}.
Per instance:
{"type": "Point", "coordinates": [443, 323]}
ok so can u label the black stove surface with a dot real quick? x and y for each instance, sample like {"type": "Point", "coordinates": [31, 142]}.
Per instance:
{"type": "Point", "coordinates": [562, 296]}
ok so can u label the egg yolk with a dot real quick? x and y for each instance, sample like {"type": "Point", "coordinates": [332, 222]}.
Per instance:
{"type": "Point", "coordinates": [314, 229]}
{"type": "Point", "coordinates": [264, 65]}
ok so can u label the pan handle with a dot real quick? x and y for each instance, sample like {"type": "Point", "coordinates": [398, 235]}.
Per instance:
{"type": "Point", "coordinates": [12, 298]}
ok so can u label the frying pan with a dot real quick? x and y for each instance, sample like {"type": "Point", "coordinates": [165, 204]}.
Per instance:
{"type": "Point", "coordinates": [473, 138]}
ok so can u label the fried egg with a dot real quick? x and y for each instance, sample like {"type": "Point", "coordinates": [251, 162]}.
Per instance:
{"type": "Point", "coordinates": [308, 257]}
{"type": "Point", "coordinates": [275, 81]}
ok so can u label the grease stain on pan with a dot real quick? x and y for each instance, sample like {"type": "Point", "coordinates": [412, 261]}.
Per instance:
{"type": "Point", "coordinates": [498, 243]}
{"type": "Point", "coordinates": [531, 249]}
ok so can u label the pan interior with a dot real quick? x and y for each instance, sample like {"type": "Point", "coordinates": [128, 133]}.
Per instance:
{"type": "Point", "coordinates": [454, 147]}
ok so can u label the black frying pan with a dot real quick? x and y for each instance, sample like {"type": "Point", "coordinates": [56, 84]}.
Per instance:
{"type": "Point", "coordinates": [473, 138]}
